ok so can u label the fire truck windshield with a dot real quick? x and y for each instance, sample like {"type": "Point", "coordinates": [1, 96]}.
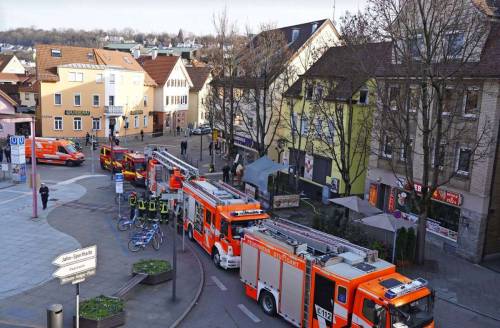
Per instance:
{"type": "Point", "coordinates": [118, 156]}
{"type": "Point", "coordinates": [140, 166]}
{"type": "Point", "coordinates": [71, 149]}
{"type": "Point", "coordinates": [415, 314]}
{"type": "Point", "coordinates": [238, 227]}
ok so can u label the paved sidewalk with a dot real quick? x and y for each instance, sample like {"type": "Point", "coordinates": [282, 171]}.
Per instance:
{"type": "Point", "coordinates": [146, 306]}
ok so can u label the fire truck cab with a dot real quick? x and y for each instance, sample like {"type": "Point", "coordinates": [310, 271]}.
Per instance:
{"type": "Point", "coordinates": [216, 216]}
{"type": "Point", "coordinates": [134, 168]}
{"type": "Point", "coordinates": [116, 153]}
{"type": "Point", "coordinates": [313, 279]}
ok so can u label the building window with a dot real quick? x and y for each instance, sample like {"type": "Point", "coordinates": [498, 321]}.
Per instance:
{"type": "Point", "coordinates": [77, 100]}
{"type": "Point", "coordinates": [111, 100]}
{"type": "Point", "coordinates": [414, 100]}
{"type": "Point", "coordinates": [463, 161]}
{"type": "Point", "coordinates": [319, 128]}
{"type": "Point", "coordinates": [394, 93]}
{"type": "Point", "coordinates": [95, 100]}
{"type": "Point", "coordinates": [305, 125]}
{"type": "Point", "coordinates": [415, 47]}
{"type": "Point", "coordinates": [363, 96]}
{"type": "Point", "coordinates": [471, 102]}
{"type": "Point", "coordinates": [77, 123]}
{"type": "Point", "coordinates": [387, 147]}
{"type": "Point", "coordinates": [440, 161]}
{"type": "Point", "coordinates": [319, 93]}
{"type": "Point", "coordinates": [112, 78]}
{"type": "Point", "coordinates": [145, 101]}
{"type": "Point", "coordinates": [450, 101]}
{"type": "Point", "coordinates": [96, 124]}
{"type": "Point", "coordinates": [455, 44]}
{"type": "Point", "coordinates": [99, 78]}
{"type": "Point", "coordinates": [309, 92]}
{"type": "Point", "coordinates": [331, 130]}
{"type": "Point", "coordinates": [136, 121]}
{"type": "Point", "coordinates": [404, 150]}
{"type": "Point", "coordinates": [75, 77]}
{"type": "Point", "coordinates": [55, 53]}
{"type": "Point", "coordinates": [126, 123]}
{"type": "Point", "coordinates": [26, 96]}
{"type": "Point", "coordinates": [295, 34]}
{"type": "Point", "coordinates": [145, 121]}
{"type": "Point", "coordinates": [166, 100]}
{"type": "Point", "coordinates": [57, 99]}
{"type": "Point", "coordinates": [58, 123]}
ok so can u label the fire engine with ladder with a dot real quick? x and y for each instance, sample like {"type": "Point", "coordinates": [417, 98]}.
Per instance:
{"type": "Point", "coordinates": [313, 279]}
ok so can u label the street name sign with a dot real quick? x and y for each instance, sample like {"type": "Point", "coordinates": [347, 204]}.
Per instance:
{"type": "Point", "coordinates": [77, 265]}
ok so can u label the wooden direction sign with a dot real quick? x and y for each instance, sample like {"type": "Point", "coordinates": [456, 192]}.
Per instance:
{"type": "Point", "coordinates": [77, 265]}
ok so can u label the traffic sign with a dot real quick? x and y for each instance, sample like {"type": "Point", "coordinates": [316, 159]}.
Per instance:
{"type": "Point", "coordinates": [75, 268]}
{"type": "Point", "coordinates": [16, 140]}
{"type": "Point", "coordinates": [76, 256]}
{"type": "Point", "coordinates": [119, 177]}
{"type": "Point", "coordinates": [119, 187]}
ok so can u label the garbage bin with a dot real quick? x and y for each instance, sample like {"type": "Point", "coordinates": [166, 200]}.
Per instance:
{"type": "Point", "coordinates": [55, 316]}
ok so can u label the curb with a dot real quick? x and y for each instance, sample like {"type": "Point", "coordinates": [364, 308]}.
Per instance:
{"type": "Point", "coordinates": [198, 292]}
{"type": "Point", "coordinates": [469, 309]}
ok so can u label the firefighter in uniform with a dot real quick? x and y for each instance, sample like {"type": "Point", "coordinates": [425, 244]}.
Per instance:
{"type": "Point", "coordinates": [132, 202]}
{"type": "Point", "coordinates": [141, 206]}
{"type": "Point", "coordinates": [151, 210]}
{"type": "Point", "coordinates": [164, 212]}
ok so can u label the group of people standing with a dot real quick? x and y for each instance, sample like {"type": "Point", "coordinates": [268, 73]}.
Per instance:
{"type": "Point", "coordinates": [5, 151]}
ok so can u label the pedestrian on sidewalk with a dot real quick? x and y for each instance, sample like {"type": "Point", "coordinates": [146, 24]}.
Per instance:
{"type": "Point", "coordinates": [87, 139]}
{"type": "Point", "coordinates": [1, 153]}
{"type": "Point", "coordinates": [44, 193]}
{"type": "Point", "coordinates": [225, 173]}
{"type": "Point", "coordinates": [7, 153]}
{"type": "Point", "coordinates": [210, 147]}
{"type": "Point", "coordinates": [182, 147]}
{"type": "Point", "coordinates": [142, 135]}
{"type": "Point", "coordinates": [178, 129]}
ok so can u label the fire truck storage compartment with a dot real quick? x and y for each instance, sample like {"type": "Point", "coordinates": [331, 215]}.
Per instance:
{"type": "Point", "coordinates": [291, 293]}
{"type": "Point", "coordinates": [269, 268]}
{"type": "Point", "coordinates": [249, 257]}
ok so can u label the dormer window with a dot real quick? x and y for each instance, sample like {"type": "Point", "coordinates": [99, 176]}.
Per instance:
{"type": "Point", "coordinates": [55, 53]}
{"type": "Point", "coordinates": [314, 27]}
{"type": "Point", "coordinates": [295, 34]}
{"type": "Point", "coordinates": [455, 44]}
{"type": "Point", "coordinates": [90, 56]}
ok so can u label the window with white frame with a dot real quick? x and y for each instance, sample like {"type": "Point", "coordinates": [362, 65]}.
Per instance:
{"type": "Point", "coordinates": [57, 99]}
{"type": "Point", "coordinates": [405, 149]}
{"type": "Point", "coordinates": [99, 78]}
{"type": "Point", "coordinates": [394, 93]}
{"type": "Point", "coordinates": [26, 96]}
{"type": "Point", "coordinates": [145, 101]}
{"type": "Point", "coordinates": [293, 123]}
{"type": "Point", "coordinates": [414, 100]}
{"type": "Point", "coordinates": [145, 121]}
{"type": "Point", "coordinates": [464, 156]}
{"type": "Point", "coordinates": [319, 127]}
{"type": "Point", "coordinates": [95, 100]}
{"type": "Point", "coordinates": [387, 147]}
{"type": "Point", "coordinates": [126, 123]}
{"type": "Point", "coordinates": [166, 100]}
{"type": "Point", "coordinates": [77, 123]}
{"type": "Point", "coordinates": [305, 125]}
{"type": "Point", "coordinates": [450, 100]}
{"type": "Point", "coordinates": [136, 121]}
{"type": "Point", "coordinates": [455, 42]}
{"type": "Point", "coordinates": [75, 77]}
{"type": "Point", "coordinates": [471, 102]}
{"type": "Point", "coordinates": [363, 96]}
{"type": "Point", "coordinates": [331, 130]}
{"type": "Point", "coordinates": [112, 78]}
{"type": "Point", "coordinates": [111, 100]}
{"type": "Point", "coordinates": [96, 123]}
{"type": "Point", "coordinates": [58, 123]}
{"type": "Point", "coordinates": [77, 100]}
{"type": "Point", "coordinates": [55, 52]}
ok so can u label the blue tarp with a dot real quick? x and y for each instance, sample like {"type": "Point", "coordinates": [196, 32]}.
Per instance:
{"type": "Point", "coordinates": [258, 172]}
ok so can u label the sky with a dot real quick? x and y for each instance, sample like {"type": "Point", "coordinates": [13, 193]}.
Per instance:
{"type": "Point", "coordinates": [165, 15]}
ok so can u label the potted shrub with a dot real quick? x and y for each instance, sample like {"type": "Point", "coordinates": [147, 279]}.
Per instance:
{"type": "Point", "coordinates": [102, 312]}
{"type": "Point", "coordinates": [158, 271]}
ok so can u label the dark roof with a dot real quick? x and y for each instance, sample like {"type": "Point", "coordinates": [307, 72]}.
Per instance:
{"type": "Point", "coordinates": [4, 60]}
{"type": "Point", "coordinates": [199, 76]}
{"type": "Point", "coordinates": [487, 67]}
{"type": "Point", "coordinates": [305, 32]}
{"type": "Point", "coordinates": [488, 7]}
{"type": "Point", "coordinates": [159, 68]}
{"type": "Point", "coordinates": [349, 66]}
{"type": "Point", "coordinates": [8, 98]}
{"type": "Point", "coordinates": [295, 90]}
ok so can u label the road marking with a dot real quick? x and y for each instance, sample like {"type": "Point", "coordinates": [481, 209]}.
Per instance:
{"type": "Point", "coordinates": [80, 178]}
{"type": "Point", "coordinates": [249, 313]}
{"type": "Point", "coordinates": [12, 199]}
{"type": "Point", "coordinates": [218, 283]}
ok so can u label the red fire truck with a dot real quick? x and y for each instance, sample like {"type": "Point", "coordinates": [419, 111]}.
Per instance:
{"type": "Point", "coordinates": [216, 215]}
{"type": "Point", "coordinates": [313, 279]}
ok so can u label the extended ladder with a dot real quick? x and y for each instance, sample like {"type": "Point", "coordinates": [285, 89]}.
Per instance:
{"type": "Point", "coordinates": [170, 162]}
{"type": "Point", "coordinates": [318, 242]}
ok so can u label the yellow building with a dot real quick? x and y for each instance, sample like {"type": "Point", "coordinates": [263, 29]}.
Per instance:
{"type": "Point", "coordinates": [325, 135]}
{"type": "Point", "coordinates": [88, 90]}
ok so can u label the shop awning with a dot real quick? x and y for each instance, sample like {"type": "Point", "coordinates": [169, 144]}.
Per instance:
{"type": "Point", "coordinates": [356, 204]}
{"type": "Point", "coordinates": [258, 172]}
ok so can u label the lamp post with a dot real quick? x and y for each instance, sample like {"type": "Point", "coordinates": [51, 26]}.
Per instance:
{"type": "Point", "coordinates": [125, 126]}
{"type": "Point", "coordinates": [33, 170]}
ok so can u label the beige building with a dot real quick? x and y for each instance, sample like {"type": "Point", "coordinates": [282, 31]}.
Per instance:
{"type": "Point", "coordinates": [198, 110]}
{"type": "Point", "coordinates": [92, 90]}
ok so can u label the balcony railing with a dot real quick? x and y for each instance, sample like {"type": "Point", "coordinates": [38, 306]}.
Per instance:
{"type": "Point", "coordinates": [113, 110]}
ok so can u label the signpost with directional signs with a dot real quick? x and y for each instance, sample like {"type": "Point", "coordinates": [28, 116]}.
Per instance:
{"type": "Point", "coordinates": [18, 158]}
{"type": "Point", "coordinates": [75, 267]}
{"type": "Point", "coordinates": [119, 191]}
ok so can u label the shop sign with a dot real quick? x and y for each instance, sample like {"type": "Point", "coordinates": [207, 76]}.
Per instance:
{"type": "Point", "coordinates": [244, 141]}
{"type": "Point", "coordinates": [286, 201]}
{"type": "Point", "coordinates": [136, 112]}
{"type": "Point", "coordinates": [444, 196]}
{"type": "Point", "coordinates": [250, 190]}
{"type": "Point", "coordinates": [308, 167]}
{"type": "Point", "coordinates": [77, 112]}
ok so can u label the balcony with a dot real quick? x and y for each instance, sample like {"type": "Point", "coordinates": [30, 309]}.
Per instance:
{"type": "Point", "coordinates": [113, 110]}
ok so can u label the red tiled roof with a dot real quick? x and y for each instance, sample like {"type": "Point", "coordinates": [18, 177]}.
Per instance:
{"type": "Point", "coordinates": [11, 77]}
{"type": "Point", "coordinates": [159, 68]}
{"type": "Point", "coordinates": [199, 76]}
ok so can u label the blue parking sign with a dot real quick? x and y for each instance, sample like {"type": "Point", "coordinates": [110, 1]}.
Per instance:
{"type": "Point", "coordinates": [119, 177]}
{"type": "Point", "coordinates": [13, 140]}
{"type": "Point", "coordinates": [16, 140]}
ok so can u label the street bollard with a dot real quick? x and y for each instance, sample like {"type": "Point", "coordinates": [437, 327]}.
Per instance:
{"type": "Point", "coordinates": [55, 316]}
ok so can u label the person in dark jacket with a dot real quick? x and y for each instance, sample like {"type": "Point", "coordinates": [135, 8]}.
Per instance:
{"type": "Point", "coordinates": [1, 154]}
{"type": "Point", "coordinates": [225, 173]}
{"type": "Point", "coordinates": [44, 193]}
{"type": "Point", "coordinates": [87, 139]}
{"type": "Point", "coordinates": [7, 153]}
{"type": "Point", "coordinates": [142, 135]}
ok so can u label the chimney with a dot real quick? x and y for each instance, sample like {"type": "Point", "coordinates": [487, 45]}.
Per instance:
{"type": "Point", "coordinates": [136, 53]}
{"type": "Point", "coordinates": [154, 53]}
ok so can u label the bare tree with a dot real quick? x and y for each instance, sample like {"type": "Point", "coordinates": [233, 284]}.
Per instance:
{"type": "Point", "coordinates": [422, 126]}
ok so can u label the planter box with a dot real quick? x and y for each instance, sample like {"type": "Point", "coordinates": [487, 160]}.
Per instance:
{"type": "Point", "coordinates": [155, 279]}
{"type": "Point", "coordinates": [116, 320]}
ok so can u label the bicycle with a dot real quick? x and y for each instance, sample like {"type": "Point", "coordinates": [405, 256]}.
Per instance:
{"type": "Point", "coordinates": [124, 224]}
{"type": "Point", "coordinates": [141, 240]}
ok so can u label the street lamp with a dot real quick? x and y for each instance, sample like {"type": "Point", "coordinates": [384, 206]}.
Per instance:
{"type": "Point", "coordinates": [125, 126]}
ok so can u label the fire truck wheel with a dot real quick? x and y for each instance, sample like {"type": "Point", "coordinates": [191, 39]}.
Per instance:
{"type": "Point", "coordinates": [190, 233]}
{"type": "Point", "coordinates": [267, 303]}
{"type": "Point", "coordinates": [216, 258]}
{"type": "Point", "coordinates": [70, 163]}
